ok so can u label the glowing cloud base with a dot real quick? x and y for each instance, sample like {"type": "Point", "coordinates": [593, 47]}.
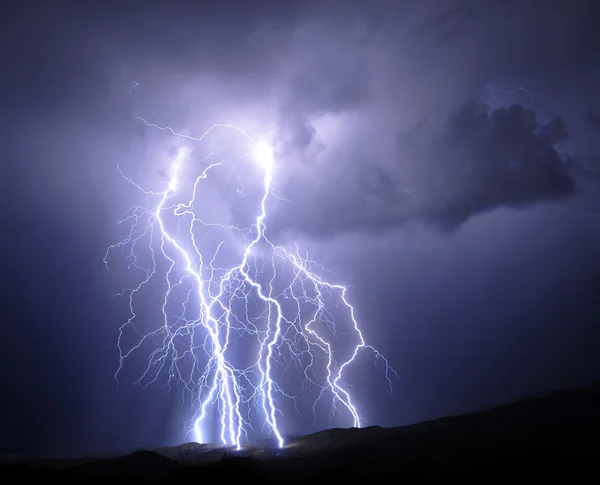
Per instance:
{"type": "Point", "coordinates": [270, 294]}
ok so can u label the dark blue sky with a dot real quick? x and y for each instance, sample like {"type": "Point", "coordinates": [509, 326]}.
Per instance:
{"type": "Point", "coordinates": [467, 230]}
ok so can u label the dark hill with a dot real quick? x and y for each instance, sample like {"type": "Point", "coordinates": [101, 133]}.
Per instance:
{"type": "Point", "coordinates": [552, 437]}
{"type": "Point", "coordinates": [145, 466]}
{"type": "Point", "coordinates": [549, 436]}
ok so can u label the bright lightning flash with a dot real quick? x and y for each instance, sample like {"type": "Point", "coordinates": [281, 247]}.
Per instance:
{"type": "Point", "coordinates": [271, 295]}
{"type": "Point", "coordinates": [263, 154]}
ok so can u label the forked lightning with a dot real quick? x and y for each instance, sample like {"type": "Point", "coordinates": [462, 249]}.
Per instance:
{"type": "Point", "coordinates": [273, 296]}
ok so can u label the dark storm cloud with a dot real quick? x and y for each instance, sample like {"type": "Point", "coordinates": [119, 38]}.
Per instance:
{"type": "Point", "coordinates": [483, 159]}
{"type": "Point", "coordinates": [476, 160]}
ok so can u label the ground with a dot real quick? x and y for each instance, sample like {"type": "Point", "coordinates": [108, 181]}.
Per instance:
{"type": "Point", "coordinates": [548, 437]}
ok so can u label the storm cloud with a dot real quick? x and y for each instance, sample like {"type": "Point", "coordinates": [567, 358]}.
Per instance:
{"type": "Point", "coordinates": [378, 115]}
{"type": "Point", "coordinates": [474, 160]}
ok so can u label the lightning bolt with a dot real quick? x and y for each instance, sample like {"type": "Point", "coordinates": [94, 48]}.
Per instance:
{"type": "Point", "coordinates": [496, 93]}
{"type": "Point", "coordinates": [273, 295]}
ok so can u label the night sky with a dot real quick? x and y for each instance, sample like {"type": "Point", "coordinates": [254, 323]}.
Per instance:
{"type": "Point", "coordinates": [443, 157]}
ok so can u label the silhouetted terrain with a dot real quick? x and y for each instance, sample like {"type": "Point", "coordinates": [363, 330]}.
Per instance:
{"type": "Point", "coordinates": [547, 438]}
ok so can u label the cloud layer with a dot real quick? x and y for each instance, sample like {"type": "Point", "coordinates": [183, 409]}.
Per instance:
{"type": "Point", "coordinates": [474, 160]}
{"type": "Point", "coordinates": [371, 107]}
